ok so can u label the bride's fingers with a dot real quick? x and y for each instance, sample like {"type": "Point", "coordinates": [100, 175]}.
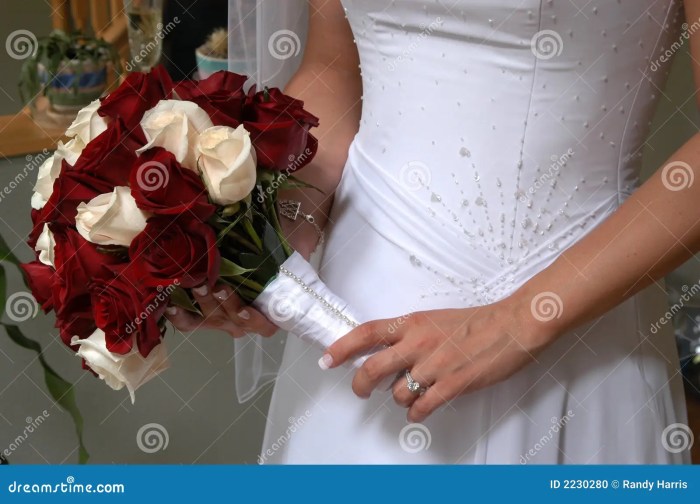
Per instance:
{"type": "Point", "coordinates": [361, 339]}
{"type": "Point", "coordinates": [257, 322]}
{"type": "Point", "coordinates": [441, 393]}
{"type": "Point", "coordinates": [182, 319]}
{"type": "Point", "coordinates": [185, 321]}
{"type": "Point", "coordinates": [231, 304]}
{"type": "Point", "coordinates": [244, 316]}
{"type": "Point", "coordinates": [385, 363]}
{"type": "Point", "coordinates": [405, 397]}
{"type": "Point", "coordinates": [207, 304]}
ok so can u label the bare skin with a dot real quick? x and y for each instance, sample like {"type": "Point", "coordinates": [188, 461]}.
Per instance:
{"type": "Point", "coordinates": [457, 351]}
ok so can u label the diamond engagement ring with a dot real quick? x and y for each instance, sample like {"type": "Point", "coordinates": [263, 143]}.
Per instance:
{"type": "Point", "coordinates": [413, 385]}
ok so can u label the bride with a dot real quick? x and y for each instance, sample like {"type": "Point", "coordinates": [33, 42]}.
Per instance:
{"type": "Point", "coordinates": [487, 220]}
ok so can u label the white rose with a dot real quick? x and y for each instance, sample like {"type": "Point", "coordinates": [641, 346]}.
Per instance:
{"type": "Point", "coordinates": [227, 162]}
{"type": "Point", "coordinates": [88, 123]}
{"type": "Point", "coordinates": [111, 218]}
{"type": "Point", "coordinates": [175, 125]}
{"type": "Point", "coordinates": [45, 245]}
{"type": "Point", "coordinates": [51, 168]}
{"type": "Point", "coordinates": [131, 370]}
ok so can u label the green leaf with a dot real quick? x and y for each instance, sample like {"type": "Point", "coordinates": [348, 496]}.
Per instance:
{"type": "Point", "coordinates": [253, 234]}
{"type": "Point", "coordinates": [3, 289]}
{"type": "Point", "coordinates": [229, 268]}
{"type": "Point", "coordinates": [226, 230]}
{"type": "Point", "coordinates": [61, 390]}
{"type": "Point", "coordinates": [248, 282]}
{"type": "Point", "coordinates": [231, 209]}
{"type": "Point", "coordinates": [179, 297]}
{"type": "Point", "coordinates": [6, 253]}
{"type": "Point", "coordinates": [274, 244]}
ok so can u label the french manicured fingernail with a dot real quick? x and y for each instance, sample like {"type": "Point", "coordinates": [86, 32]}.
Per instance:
{"type": "Point", "coordinates": [201, 290]}
{"type": "Point", "coordinates": [172, 310]}
{"type": "Point", "coordinates": [325, 362]}
{"type": "Point", "coordinates": [244, 314]}
{"type": "Point", "coordinates": [221, 295]}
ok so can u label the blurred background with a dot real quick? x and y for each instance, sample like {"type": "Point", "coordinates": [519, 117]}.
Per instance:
{"type": "Point", "coordinates": [196, 407]}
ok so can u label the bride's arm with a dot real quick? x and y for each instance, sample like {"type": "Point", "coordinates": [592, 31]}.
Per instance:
{"type": "Point", "coordinates": [328, 81]}
{"type": "Point", "coordinates": [458, 351]}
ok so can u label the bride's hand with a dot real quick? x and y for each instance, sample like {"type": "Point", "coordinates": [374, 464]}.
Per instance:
{"type": "Point", "coordinates": [452, 352]}
{"type": "Point", "coordinates": [221, 309]}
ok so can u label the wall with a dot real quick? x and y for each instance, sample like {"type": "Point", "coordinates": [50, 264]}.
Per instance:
{"type": "Point", "coordinates": [32, 15]}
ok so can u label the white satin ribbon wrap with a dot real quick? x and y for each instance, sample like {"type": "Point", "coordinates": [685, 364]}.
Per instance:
{"type": "Point", "coordinates": [298, 310]}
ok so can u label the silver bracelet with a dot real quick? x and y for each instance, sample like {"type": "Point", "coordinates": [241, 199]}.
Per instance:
{"type": "Point", "coordinates": [292, 210]}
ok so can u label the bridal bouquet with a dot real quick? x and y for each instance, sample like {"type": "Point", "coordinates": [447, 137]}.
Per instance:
{"type": "Point", "coordinates": [163, 187]}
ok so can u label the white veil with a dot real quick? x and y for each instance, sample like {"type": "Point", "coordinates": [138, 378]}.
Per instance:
{"type": "Point", "coordinates": [266, 42]}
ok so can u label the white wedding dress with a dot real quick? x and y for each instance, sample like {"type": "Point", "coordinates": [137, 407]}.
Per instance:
{"type": "Point", "coordinates": [494, 135]}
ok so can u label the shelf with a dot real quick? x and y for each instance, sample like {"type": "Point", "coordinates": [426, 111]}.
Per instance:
{"type": "Point", "coordinates": [21, 135]}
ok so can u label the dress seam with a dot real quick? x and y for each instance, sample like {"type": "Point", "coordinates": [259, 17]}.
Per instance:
{"type": "Point", "coordinates": [620, 200]}
{"type": "Point", "coordinates": [525, 128]}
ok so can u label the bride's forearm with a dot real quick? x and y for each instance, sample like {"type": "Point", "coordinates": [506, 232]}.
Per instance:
{"type": "Point", "coordinates": [333, 95]}
{"type": "Point", "coordinates": [653, 232]}
{"type": "Point", "coordinates": [329, 83]}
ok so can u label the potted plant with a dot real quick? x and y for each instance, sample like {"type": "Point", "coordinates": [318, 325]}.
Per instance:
{"type": "Point", "coordinates": [69, 69]}
{"type": "Point", "coordinates": [212, 56]}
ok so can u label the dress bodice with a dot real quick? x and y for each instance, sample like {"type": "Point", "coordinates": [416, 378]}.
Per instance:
{"type": "Point", "coordinates": [504, 129]}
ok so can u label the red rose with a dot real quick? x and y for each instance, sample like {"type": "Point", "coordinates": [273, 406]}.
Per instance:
{"type": "Point", "coordinates": [161, 185]}
{"type": "Point", "coordinates": [220, 95]}
{"type": "Point", "coordinates": [39, 279]}
{"type": "Point", "coordinates": [279, 129]}
{"type": "Point", "coordinates": [77, 262]}
{"type": "Point", "coordinates": [78, 323]}
{"type": "Point", "coordinates": [170, 250]}
{"type": "Point", "coordinates": [138, 93]}
{"type": "Point", "coordinates": [110, 155]}
{"type": "Point", "coordinates": [126, 310]}
{"type": "Point", "coordinates": [69, 189]}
